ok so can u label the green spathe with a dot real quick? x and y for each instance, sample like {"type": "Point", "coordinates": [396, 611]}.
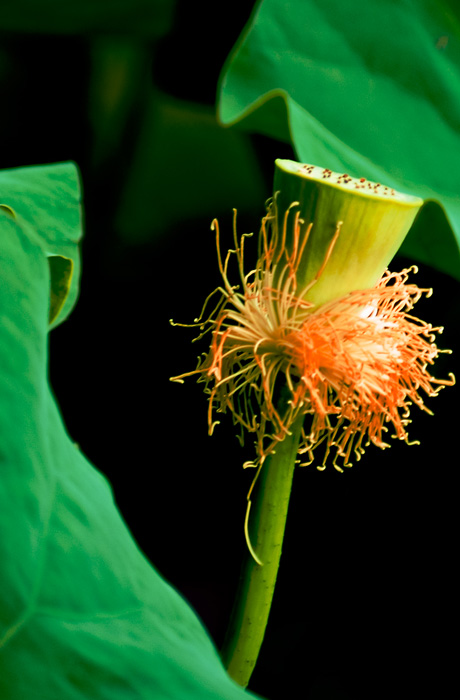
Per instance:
{"type": "Point", "coordinates": [373, 220]}
{"type": "Point", "coordinates": [83, 614]}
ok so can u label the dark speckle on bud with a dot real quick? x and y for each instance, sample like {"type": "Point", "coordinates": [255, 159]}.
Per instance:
{"type": "Point", "coordinates": [364, 186]}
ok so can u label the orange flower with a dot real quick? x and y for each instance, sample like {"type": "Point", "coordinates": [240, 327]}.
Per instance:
{"type": "Point", "coordinates": [352, 366]}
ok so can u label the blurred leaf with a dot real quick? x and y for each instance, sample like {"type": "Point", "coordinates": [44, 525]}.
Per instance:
{"type": "Point", "coordinates": [119, 83]}
{"type": "Point", "coordinates": [83, 615]}
{"type": "Point", "coordinates": [370, 88]}
{"type": "Point", "coordinates": [186, 166]}
{"type": "Point", "coordinates": [147, 18]}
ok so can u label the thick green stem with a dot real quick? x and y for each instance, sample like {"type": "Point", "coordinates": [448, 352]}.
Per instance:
{"type": "Point", "coordinates": [257, 584]}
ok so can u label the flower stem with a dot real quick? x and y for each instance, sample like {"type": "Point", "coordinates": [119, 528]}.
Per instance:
{"type": "Point", "coordinates": [250, 613]}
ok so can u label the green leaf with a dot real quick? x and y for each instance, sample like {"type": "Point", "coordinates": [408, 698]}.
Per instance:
{"type": "Point", "coordinates": [370, 88]}
{"type": "Point", "coordinates": [213, 168]}
{"type": "Point", "coordinates": [46, 199]}
{"type": "Point", "coordinates": [83, 614]}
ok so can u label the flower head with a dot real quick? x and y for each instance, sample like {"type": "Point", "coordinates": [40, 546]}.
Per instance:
{"type": "Point", "coordinates": [352, 365]}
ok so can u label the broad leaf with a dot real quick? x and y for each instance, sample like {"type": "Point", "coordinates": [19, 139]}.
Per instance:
{"type": "Point", "coordinates": [83, 614]}
{"type": "Point", "coordinates": [370, 88]}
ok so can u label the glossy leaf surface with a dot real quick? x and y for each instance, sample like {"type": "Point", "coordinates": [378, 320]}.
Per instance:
{"type": "Point", "coordinates": [83, 614]}
{"type": "Point", "coordinates": [367, 88]}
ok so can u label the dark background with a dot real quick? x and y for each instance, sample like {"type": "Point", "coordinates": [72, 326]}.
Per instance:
{"type": "Point", "coordinates": [364, 604]}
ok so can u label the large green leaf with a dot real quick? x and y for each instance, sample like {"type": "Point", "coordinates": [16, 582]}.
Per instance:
{"type": "Point", "coordinates": [83, 614]}
{"type": "Point", "coordinates": [371, 88]}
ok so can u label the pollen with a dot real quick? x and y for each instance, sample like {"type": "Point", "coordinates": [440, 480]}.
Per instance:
{"type": "Point", "coordinates": [353, 367]}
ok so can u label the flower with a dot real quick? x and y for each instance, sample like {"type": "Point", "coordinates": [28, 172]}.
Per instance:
{"type": "Point", "coordinates": [351, 365]}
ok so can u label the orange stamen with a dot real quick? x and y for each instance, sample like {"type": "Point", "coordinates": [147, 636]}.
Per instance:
{"type": "Point", "coordinates": [352, 366]}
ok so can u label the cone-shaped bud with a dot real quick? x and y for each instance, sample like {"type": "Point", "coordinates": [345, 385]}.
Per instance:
{"type": "Point", "coordinates": [368, 220]}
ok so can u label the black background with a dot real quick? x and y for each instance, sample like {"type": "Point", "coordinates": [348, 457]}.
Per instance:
{"type": "Point", "coordinates": [364, 605]}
